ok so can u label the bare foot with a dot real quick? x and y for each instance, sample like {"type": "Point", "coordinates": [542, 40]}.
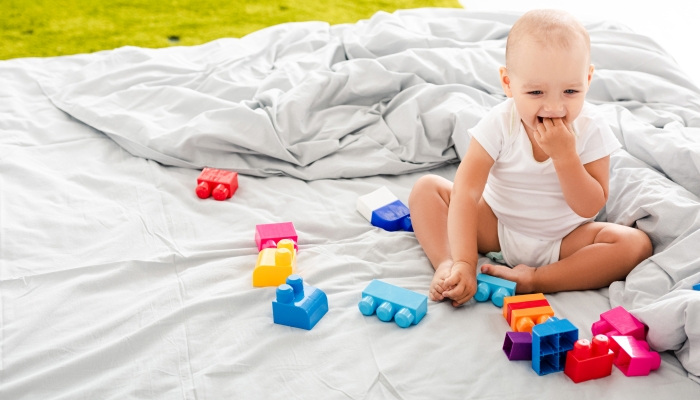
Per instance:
{"type": "Point", "coordinates": [521, 274]}
{"type": "Point", "coordinates": [437, 284]}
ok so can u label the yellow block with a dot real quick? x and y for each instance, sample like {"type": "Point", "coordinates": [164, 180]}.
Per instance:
{"type": "Point", "coordinates": [519, 299]}
{"type": "Point", "coordinates": [275, 265]}
{"type": "Point", "coordinates": [523, 320]}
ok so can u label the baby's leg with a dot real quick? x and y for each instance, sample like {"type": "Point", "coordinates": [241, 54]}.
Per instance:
{"type": "Point", "coordinates": [592, 256]}
{"type": "Point", "coordinates": [429, 202]}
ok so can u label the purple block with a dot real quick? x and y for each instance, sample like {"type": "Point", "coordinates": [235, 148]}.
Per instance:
{"type": "Point", "coordinates": [518, 346]}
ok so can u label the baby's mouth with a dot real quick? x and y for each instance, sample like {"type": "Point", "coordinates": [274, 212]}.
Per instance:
{"type": "Point", "coordinates": [540, 119]}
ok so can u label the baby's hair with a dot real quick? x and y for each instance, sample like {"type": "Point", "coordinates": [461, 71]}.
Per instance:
{"type": "Point", "coordinates": [547, 27]}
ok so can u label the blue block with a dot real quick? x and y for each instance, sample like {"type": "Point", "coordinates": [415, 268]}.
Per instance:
{"type": "Point", "coordinates": [298, 305]}
{"type": "Point", "coordinates": [391, 217]}
{"type": "Point", "coordinates": [551, 341]}
{"type": "Point", "coordinates": [696, 286]}
{"type": "Point", "coordinates": [404, 306]}
{"type": "Point", "coordinates": [490, 287]}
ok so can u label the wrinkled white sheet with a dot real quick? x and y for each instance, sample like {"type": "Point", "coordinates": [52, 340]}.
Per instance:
{"type": "Point", "coordinates": [116, 281]}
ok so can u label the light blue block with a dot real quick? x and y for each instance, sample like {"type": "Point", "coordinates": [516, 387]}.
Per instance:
{"type": "Point", "coordinates": [490, 287]}
{"type": "Point", "coordinates": [298, 305]}
{"type": "Point", "coordinates": [406, 307]}
{"type": "Point", "coordinates": [696, 286]}
{"type": "Point", "coordinates": [551, 341]}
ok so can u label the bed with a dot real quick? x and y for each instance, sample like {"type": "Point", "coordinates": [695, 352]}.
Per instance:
{"type": "Point", "coordinates": [116, 281]}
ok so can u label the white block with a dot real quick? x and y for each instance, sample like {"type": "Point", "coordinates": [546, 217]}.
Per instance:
{"type": "Point", "coordinates": [379, 198]}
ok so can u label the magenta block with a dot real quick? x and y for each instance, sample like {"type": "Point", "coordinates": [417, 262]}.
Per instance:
{"type": "Point", "coordinates": [619, 322]}
{"type": "Point", "coordinates": [518, 346]}
{"type": "Point", "coordinates": [633, 356]}
{"type": "Point", "coordinates": [267, 235]}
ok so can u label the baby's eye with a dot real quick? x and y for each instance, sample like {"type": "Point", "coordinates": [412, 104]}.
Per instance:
{"type": "Point", "coordinates": [570, 91]}
{"type": "Point", "coordinates": [536, 92]}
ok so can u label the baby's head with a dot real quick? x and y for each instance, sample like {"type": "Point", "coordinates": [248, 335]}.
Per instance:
{"type": "Point", "coordinates": [548, 69]}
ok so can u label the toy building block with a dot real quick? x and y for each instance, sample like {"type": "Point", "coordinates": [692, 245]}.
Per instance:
{"type": "Point", "coordinates": [696, 286]}
{"type": "Point", "coordinates": [518, 346]}
{"type": "Point", "coordinates": [522, 301]}
{"type": "Point", "coordinates": [406, 307]}
{"type": "Point", "coordinates": [633, 357]}
{"type": "Point", "coordinates": [619, 322]}
{"type": "Point", "coordinates": [384, 210]}
{"type": "Point", "coordinates": [267, 235]}
{"type": "Point", "coordinates": [550, 342]}
{"type": "Point", "coordinates": [589, 360]}
{"type": "Point", "coordinates": [216, 182]}
{"type": "Point", "coordinates": [525, 319]}
{"type": "Point", "coordinates": [299, 305]}
{"type": "Point", "coordinates": [275, 265]}
{"type": "Point", "coordinates": [494, 288]}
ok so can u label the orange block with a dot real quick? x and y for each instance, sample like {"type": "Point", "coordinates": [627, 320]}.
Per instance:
{"type": "Point", "coordinates": [523, 320]}
{"type": "Point", "coordinates": [520, 299]}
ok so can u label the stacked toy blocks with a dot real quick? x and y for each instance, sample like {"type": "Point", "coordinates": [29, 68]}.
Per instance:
{"type": "Point", "coordinates": [217, 183]}
{"type": "Point", "coordinates": [551, 341]}
{"type": "Point", "coordinates": [384, 210]}
{"type": "Point", "coordinates": [619, 322]}
{"type": "Point", "coordinates": [268, 235]}
{"type": "Point", "coordinates": [388, 301]}
{"type": "Point", "coordinates": [633, 356]}
{"type": "Point", "coordinates": [518, 346]}
{"type": "Point", "coordinates": [274, 265]}
{"type": "Point", "coordinates": [298, 305]}
{"type": "Point", "coordinates": [525, 311]}
{"type": "Point", "coordinates": [496, 289]}
{"type": "Point", "coordinates": [589, 360]}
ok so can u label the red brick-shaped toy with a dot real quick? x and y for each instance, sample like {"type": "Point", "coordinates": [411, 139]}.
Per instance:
{"type": "Point", "coordinates": [619, 322]}
{"type": "Point", "coordinates": [217, 183]}
{"type": "Point", "coordinates": [589, 360]}
{"type": "Point", "coordinates": [268, 235]}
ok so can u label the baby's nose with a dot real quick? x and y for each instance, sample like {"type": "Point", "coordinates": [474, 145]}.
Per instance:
{"type": "Point", "coordinates": [553, 111]}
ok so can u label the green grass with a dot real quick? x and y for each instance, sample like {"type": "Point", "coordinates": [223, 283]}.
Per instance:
{"type": "Point", "coordinates": [39, 28]}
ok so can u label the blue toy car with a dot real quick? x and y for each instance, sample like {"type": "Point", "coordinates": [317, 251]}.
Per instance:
{"type": "Point", "coordinates": [388, 301]}
{"type": "Point", "coordinates": [494, 288]}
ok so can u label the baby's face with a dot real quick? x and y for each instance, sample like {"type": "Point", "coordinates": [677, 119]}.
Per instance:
{"type": "Point", "coordinates": [548, 82]}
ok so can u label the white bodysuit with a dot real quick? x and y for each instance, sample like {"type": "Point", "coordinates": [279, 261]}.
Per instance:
{"type": "Point", "coordinates": [524, 194]}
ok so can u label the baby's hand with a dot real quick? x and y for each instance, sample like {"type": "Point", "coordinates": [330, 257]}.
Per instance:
{"type": "Point", "coordinates": [555, 138]}
{"type": "Point", "coordinates": [461, 283]}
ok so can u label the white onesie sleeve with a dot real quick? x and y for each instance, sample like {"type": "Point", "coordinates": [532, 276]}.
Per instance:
{"type": "Point", "coordinates": [491, 131]}
{"type": "Point", "coordinates": [596, 140]}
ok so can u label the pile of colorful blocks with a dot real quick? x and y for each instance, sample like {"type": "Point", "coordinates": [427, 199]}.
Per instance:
{"type": "Point", "coordinates": [552, 344]}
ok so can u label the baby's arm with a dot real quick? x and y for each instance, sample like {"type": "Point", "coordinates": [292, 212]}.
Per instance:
{"type": "Point", "coordinates": [585, 187]}
{"type": "Point", "coordinates": [462, 219]}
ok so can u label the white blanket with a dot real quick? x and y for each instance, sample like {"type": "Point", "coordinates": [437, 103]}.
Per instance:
{"type": "Point", "coordinates": [117, 282]}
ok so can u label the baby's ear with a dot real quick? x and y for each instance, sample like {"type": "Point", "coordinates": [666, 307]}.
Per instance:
{"type": "Point", "coordinates": [505, 81]}
{"type": "Point", "coordinates": [591, 68]}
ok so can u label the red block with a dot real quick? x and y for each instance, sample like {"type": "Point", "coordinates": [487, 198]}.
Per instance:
{"type": "Point", "coordinates": [525, 304]}
{"type": "Point", "coordinates": [216, 182]}
{"type": "Point", "coordinates": [589, 361]}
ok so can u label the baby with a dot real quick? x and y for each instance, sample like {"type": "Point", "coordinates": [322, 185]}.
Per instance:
{"type": "Point", "coordinates": [533, 179]}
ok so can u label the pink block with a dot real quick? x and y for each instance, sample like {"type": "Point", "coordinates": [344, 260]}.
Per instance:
{"type": "Point", "coordinates": [633, 356]}
{"type": "Point", "coordinates": [619, 322]}
{"type": "Point", "coordinates": [267, 235]}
